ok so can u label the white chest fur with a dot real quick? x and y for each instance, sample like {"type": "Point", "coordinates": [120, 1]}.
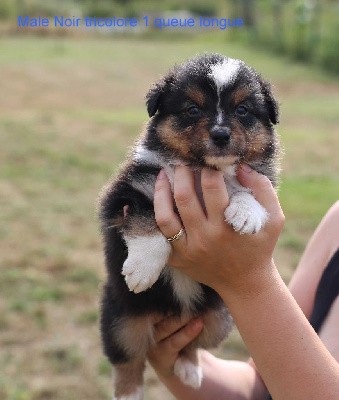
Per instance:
{"type": "Point", "coordinates": [186, 290]}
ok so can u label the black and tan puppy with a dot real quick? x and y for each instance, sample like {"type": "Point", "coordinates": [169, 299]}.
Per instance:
{"type": "Point", "coordinates": [211, 111]}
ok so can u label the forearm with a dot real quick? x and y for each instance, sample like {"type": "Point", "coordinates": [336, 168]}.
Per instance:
{"type": "Point", "coordinates": [290, 357]}
{"type": "Point", "coordinates": [234, 380]}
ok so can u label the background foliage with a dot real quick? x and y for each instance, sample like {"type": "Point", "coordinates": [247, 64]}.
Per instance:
{"type": "Point", "coordinates": [306, 30]}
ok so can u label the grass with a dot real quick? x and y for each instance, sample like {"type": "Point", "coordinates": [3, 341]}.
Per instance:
{"type": "Point", "coordinates": [69, 111]}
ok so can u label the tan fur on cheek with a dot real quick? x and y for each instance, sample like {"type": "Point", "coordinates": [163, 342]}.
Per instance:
{"type": "Point", "coordinates": [258, 142]}
{"type": "Point", "coordinates": [186, 142]}
{"type": "Point", "coordinates": [172, 138]}
{"type": "Point", "coordinates": [250, 144]}
{"type": "Point", "coordinates": [201, 131]}
{"type": "Point", "coordinates": [239, 144]}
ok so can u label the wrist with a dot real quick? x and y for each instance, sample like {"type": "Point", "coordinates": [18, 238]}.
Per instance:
{"type": "Point", "coordinates": [250, 284]}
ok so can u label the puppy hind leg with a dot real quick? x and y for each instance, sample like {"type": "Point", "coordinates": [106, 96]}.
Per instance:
{"type": "Point", "coordinates": [135, 336]}
{"type": "Point", "coordinates": [187, 368]}
{"type": "Point", "coordinates": [217, 325]}
{"type": "Point", "coordinates": [128, 380]}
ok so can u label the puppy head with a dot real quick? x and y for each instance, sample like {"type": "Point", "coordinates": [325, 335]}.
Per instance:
{"type": "Point", "coordinates": [213, 111]}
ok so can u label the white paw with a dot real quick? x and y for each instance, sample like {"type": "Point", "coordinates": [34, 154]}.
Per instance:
{"type": "Point", "coordinates": [138, 394]}
{"type": "Point", "coordinates": [189, 373]}
{"type": "Point", "coordinates": [147, 256]}
{"type": "Point", "coordinates": [140, 274]}
{"type": "Point", "coordinates": [245, 214]}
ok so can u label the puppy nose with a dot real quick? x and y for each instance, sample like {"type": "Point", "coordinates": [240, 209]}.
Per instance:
{"type": "Point", "coordinates": [220, 135]}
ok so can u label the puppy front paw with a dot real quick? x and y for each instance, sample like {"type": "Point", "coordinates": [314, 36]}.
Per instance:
{"type": "Point", "coordinates": [245, 214]}
{"type": "Point", "coordinates": [140, 274]}
{"type": "Point", "coordinates": [189, 373]}
{"type": "Point", "coordinates": [147, 256]}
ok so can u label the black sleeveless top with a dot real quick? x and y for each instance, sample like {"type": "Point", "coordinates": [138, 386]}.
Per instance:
{"type": "Point", "coordinates": [328, 290]}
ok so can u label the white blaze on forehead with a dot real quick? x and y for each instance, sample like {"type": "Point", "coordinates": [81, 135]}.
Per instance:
{"type": "Point", "coordinates": [225, 72]}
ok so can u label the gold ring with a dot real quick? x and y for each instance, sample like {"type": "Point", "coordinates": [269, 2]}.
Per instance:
{"type": "Point", "coordinates": [177, 235]}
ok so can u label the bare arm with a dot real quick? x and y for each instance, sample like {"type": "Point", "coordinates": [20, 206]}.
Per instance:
{"type": "Point", "coordinates": [291, 359]}
{"type": "Point", "coordinates": [317, 254]}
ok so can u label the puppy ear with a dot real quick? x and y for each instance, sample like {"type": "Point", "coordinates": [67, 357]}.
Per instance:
{"type": "Point", "coordinates": [153, 99]}
{"type": "Point", "coordinates": [155, 95]}
{"type": "Point", "coordinates": [271, 103]}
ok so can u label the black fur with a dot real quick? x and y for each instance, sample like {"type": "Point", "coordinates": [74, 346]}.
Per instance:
{"type": "Point", "coordinates": [170, 126]}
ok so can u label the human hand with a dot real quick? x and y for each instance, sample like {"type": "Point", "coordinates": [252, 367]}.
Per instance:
{"type": "Point", "coordinates": [171, 335]}
{"type": "Point", "coordinates": [211, 252]}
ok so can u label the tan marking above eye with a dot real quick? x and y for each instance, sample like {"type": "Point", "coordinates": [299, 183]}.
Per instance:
{"type": "Point", "coordinates": [196, 95]}
{"type": "Point", "coordinates": [240, 95]}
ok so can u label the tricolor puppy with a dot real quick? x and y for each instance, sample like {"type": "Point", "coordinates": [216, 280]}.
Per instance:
{"type": "Point", "coordinates": [211, 111]}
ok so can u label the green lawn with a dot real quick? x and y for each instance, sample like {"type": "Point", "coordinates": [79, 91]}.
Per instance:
{"type": "Point", "coordinates": [68, 112]}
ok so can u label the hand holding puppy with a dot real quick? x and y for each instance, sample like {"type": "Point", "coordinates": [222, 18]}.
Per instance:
{"type": "Point", "coordinates": [211, 252]}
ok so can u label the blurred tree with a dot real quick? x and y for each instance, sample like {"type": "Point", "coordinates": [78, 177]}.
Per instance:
{"type": "Point", "coordinates": [248, 12]}
{"type": "Point", "coordinates": [245, 9]}
{"type": "Point", "coordinates": [301, 21]}
{"type": "Point", "coordinates": [308, 27]}
{"type": "Point", "coordinates": [278, 25]}
{"type": "Point", "coordinates": [314, 37]}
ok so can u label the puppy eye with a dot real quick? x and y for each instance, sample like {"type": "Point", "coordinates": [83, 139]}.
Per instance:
{"type": "Point", "coordinates": [241, 111]}
{"type": "Point", "coordinates": [193, 111]}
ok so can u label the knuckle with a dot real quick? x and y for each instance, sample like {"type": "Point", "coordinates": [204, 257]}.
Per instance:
{"type": "Point", "coordinates": [159, 187]}
{"type": "Point", "coordinates": [264, 183]}
{"type": "Point", "coordinates": [278, 221]}
{"type": "Point", "coordinates": [200, 250]}
{"type": "Point", "coordinates": [164, 221]}
{"type": "Point", "coordinates": [182, 196]}
{"type": "Point", "coordinates": [174, 342]}
{"type": "Point", "coordinates": [179, 340]}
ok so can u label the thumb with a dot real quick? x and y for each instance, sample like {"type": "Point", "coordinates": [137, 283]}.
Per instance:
{"type": "Point", "coordinates": [261, 188]}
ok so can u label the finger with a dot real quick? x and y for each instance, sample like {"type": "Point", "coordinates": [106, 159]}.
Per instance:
{"type": "Point", "coordinates": [186, 199]}
{"type": "Point", "coordinates": [260, 186]}
{"type": "Point", "coordinates": [167, 220]}
{"type": "Point", "coordinates": [167, 326]}
{"type": "Point", "coordinates": [184, 336]}
{"type": "Point", "coordinates": [263, 191]}
{"type": "Point", "coordinates": [215, 195]}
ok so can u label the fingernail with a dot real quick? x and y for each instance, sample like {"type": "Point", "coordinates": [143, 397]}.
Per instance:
{"type": "Point", "coordinates": [161, 175]}
{"type": "Point", "coordinates": [246, 168]}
